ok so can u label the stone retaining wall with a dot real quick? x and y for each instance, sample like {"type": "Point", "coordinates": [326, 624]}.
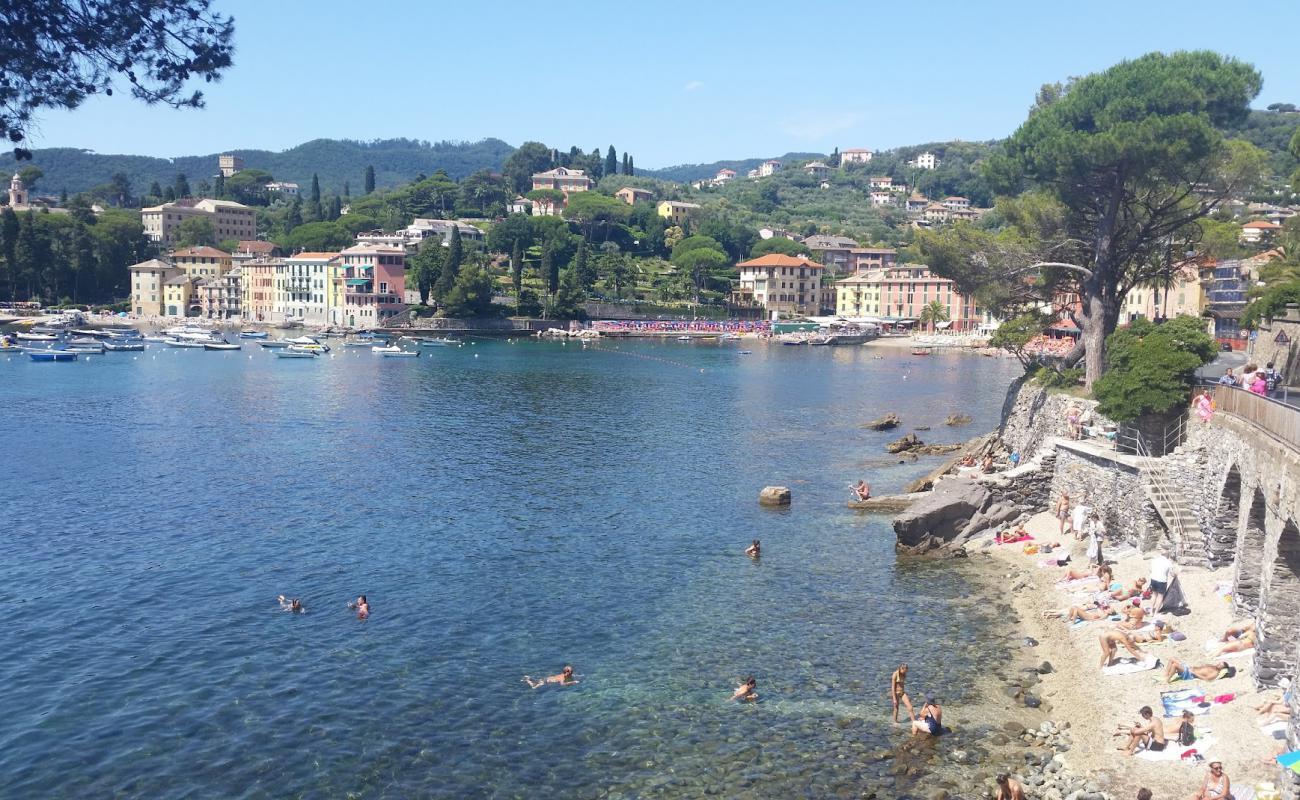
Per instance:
{"type": "Point", "coordinates": [1112, 487]}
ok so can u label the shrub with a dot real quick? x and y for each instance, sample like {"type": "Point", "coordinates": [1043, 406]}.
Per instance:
{"type": "Point", "coordinates": [1150, 368]}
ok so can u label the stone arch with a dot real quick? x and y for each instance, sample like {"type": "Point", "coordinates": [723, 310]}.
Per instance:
{"type": "Point", "coordinates": [1222, 544]}
{"type": "Point", "coordinates": [1278, 624]}
{"type": "Point", "coordinates": [1250, 558]}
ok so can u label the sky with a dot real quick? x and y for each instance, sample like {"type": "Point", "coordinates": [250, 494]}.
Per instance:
{"type": "Point", "coordinates": [669, 82]}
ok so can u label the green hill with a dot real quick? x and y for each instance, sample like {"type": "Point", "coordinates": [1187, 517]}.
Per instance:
{"type": "Point", "coordinates": [686, 173]}
{"type": "Point", "coordinates": [396, 161]}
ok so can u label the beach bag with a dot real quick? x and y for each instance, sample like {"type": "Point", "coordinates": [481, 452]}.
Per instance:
{"type": "Point", "coordinates": [1186, 737]}
{"type": "Point", "coordinates": [1031, 549]}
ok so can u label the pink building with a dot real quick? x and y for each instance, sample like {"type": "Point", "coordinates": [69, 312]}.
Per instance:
{"type": "Point", "coordinates": [374, 283]}
{"type": "Point", "coordinates": [901, 292]}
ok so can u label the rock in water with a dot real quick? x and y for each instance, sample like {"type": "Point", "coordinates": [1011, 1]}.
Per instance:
{"type": "Point", "coordinates": [957, 419]}
{"type": "Point", "coordinates": [937, 519]}
{"type": "Point", "coordinates": [886, 422]}
{"type": "Point", "coordinates": [906, 443]}
{"type": "Point", "coordinates": [774, 496]}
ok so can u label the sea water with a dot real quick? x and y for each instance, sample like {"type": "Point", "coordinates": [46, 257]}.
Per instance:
{"type": "Point", "coordinates": [508, 508]}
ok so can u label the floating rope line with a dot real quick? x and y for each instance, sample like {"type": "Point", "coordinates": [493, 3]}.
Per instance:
{"type": "Point", "coordinates": [667, 361]}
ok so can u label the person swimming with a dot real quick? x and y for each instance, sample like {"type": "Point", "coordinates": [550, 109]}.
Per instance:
{"type": "Point", "coordinates": [295, 605]}
{"type": "Point", "coordinates": [565, 678]}
{"type": "Point", "coordinates": [361, 606]}
{"type": "Point", "coordinates": [754, 550]}
{"type": "Point", "coordinates": [745, 691]}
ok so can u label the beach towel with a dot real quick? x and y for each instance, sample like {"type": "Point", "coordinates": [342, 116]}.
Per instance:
{"type": "Point", "coordinates": [1022, 538]}
{"type": "Point", "coordinates": [1193, 700]}
{"type": "Point", "coordinates": [1175, 752]}
{"type": "Point", "coordinates": [1125, 665]}
{"type": "Point", "coordinates": [1275, 730]}
{"type": "Point", "coordinates": [1211, 644]}
{"type": "Point", "coordinates": [1077, 582]}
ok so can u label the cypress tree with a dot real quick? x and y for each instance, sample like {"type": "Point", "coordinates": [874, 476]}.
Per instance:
{"type": "Point", "coordinates": [626, 164]}
{"type": "Point", "coordinates": [596, 165]}
{"type": "Point", "coordinates": [517, 271]}
{"type": "Point", "coordinates": [315, 189]}
{"type": "Point", "coordinates": [550, 271]}
{"type": "Point", "coordinates": [451, 264]}
{"type": "Point", "coordinates": [631, 166]}
{"type": "Point", "coordinates": [611, 161]}
{"type": "Point", "coordinates": [219, 186]}
{"type": "Point", "coordinates": [155, 190]}
{"type": "Point", "coordinates": [9, 227]}
{"type": "Point", "coordinates": [370, 179]}
{"type": "Point", "coordinates": [347, 190]}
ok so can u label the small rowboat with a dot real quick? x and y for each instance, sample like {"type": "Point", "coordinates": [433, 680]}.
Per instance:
{"type": "Point", "coordinates": [220, 346]}
{"type": "Point", "coordinates": [275, 343]}
{"type": "Point", "coordinates": [35, 337]}
{"type": "Point", "coordinates": [190, 343]}
{"type": "Point", "coordinates": [287, 353]}
{"type": "Point", "coordinates": [438, 342]}
{"type": "Point", "coordinates": [52, 355]}
{"type": "Point", "coordinates": [86, 345]}
{"type": "Point", "coordinates": [253, 334]}
{"type": "Point", "coordinates": [921, 351]}
{"type": "Point", "coordinates": [118, 346]}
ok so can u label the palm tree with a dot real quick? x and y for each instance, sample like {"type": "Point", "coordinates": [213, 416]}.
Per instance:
{"type": "Point", "coordinates": [934, 313]}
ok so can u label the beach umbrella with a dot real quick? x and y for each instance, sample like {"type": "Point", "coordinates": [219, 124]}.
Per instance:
{"type": "Point", "coordinates": [1290, 760]}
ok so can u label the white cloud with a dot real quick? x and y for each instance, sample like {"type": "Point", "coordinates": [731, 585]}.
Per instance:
{"type": "Point", "coordinates": [819, 126]}
{"type": "Point", "coordinates": [692, 86]}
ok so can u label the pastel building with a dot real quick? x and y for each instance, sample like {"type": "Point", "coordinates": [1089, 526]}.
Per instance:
{"type": "Point", "coordinates": [632, 195]}
{"type": "Point", "coordinates": [181, 297]}
{"type": "Point", "coordinates": [902, 292]}
{"type": "Point", "coordinates": [562, 179]}
{"type": "Point", "coordinates": [676, 212]}
{"type": "Point", "coordinates": [202, 262]}
{"type": "Point", "coordinates": [374, 283]}
{"type": "Point", "coordinates": [230, 220]}
{"type": "Point", "coordinates": [257, 289]}
{"type": "Point", "coordinates": [147, 282]}
{"type": "Point", "coordinates": [855, 155]}
{"type": "Point", "coordinates": [780, 284]}
{"type": "Point", "coordinates": [1183, 296]}
{"type": "Point", "coordinates": [302, 288]}
{"type": "Point", "coordinates": [221, 298]}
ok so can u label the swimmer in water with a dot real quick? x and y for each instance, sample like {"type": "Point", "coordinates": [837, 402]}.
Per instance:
{"type": "Point", "coordinates": [565, 678]}
{"type": "Point", "coordinates": [294, 605]}
{"type": "Point", "coordinates": [745, 691]}
{"type": "Point", "coordinates": [754, 550]}
{"type": "Point", "coordinates": [362, 607]}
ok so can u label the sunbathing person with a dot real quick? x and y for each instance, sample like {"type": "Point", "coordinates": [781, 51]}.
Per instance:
{"type": "Point", "coordinates": [1103, 572]}
{"type": "Point", "coordinates": [1139, 586]}
{"type": "Point", "coordinates": [1008, 536]}
{"type": "Point", "coordinates": [1274, 710]}
{"type": "Point", "coordinates": [1134, 618]}
{"type": "Point", "coordinates": [1235, 632]}
{"type": "Point", "coordinates": [1240, 645]}
{"type": "Point", "coordinates": [1080, 613]}
{"type": "Point", "coordinates": [1150, 730]}
{"type": "Point", "coordinates": [1161, 632]}
{"type": "Point", "coordinates": [1178, 671]}
{"type": "Point", "coordinates": [1111, 641]}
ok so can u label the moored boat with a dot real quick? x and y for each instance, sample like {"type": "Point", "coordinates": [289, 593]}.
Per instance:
{"type": "Point", "coordinates": [249, 334]}
{"type": "Point", "coordinates": [222, 345]}
{"type": "Point", "coordinates": [400, 353]}
{"type": "Point", "coordinates": [86, 345]}
{"type": "Point", "coordinates": [290, 352]}
{"type": "Point", "coordinates": [35, 337]}
{"type": "Point", "coordinates": [438, 342]}
{"type": "Point", "coordinates": [921, 351]}
{"type": "Point", "coordinates": [308, 343]}
{"type": "Point", "coordinates": [123, 346]}
{"type": "Point", "coordinates": [190, 343]}
{"type": "Point", "coordinates": [274, 344]}
{"type": "Point", "coordinates": [52, 355]}
{"type": "Point", "coordinates": [389, 349]}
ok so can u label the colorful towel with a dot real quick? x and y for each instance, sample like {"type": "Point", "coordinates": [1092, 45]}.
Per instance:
{"type": "Point", "coordinates": [1127, 664]}
{"type": "Point", "coordinates": [1077, 583]}
{"type": "Point", "coordinates": [1176, 702]}
{"type": "Point", "coordinates": [1022, 538]}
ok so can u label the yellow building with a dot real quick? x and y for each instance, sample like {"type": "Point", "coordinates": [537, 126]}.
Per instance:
{"type": "Point", "coordinates": [147, 286]}
{"type": "Point", "coordinates": [676, 212]}
{"type": "Point", "coordinates": [179, 297]}
{"type": "Point", "coordinates": [202, 262]}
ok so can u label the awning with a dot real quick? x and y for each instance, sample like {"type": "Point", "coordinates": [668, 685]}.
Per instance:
{"type": "Point", "coordinates": [943, 325]}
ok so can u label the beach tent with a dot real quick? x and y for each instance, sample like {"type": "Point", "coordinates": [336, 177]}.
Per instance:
{"type": "Point", "coordinates": [1175, 600]}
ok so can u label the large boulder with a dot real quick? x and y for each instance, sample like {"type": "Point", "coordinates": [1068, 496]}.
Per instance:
{"type": "Point", "coordinates": [935, 449]}
{"type": "Point", "coordinates": [886, 422]}
{"type": "Point", "coordinates": [957, 419]}
{"type": "Point", "coordinates": [774, 496]}
{"type": "Point", "coordinates": [939, 518]}
{"type": "Point", "coordinates": [906, 443]}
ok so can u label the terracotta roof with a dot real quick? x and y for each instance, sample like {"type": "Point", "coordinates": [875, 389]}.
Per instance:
{"type": "Point", "coordinates": [779, 260]}
{"type": "Point", "coordinates": [1262, 225]}
{"type": "Point", "coordinates": [257, 246]}
{"type": "Point", "coordinates": [200, 252]}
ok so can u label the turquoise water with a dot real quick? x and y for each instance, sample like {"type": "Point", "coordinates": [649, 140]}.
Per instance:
{"type": "Point", "coordinates": [508, 508]}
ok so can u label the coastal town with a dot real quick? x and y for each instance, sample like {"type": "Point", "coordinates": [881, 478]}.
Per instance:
{"type": "Point", "coordinates": [797, 449]}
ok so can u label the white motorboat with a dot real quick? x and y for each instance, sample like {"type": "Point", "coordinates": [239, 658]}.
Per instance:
{"type": "Point", "coordinates": [400, 353]}
{"type": "Point", "coordinates": [439, 342]}
{"type": "Point", "coordinates": [36, 337]}
{"type": "Point", "coordinates": [392, 348]}
{"type": "Point", "coordinates": [190, 343]}
{"type": "Point", "coordinates": [124, 345]}
{"type": "Point", "coordinates": [222, 345]}
{"type": "Point", "coordinates": [308, 343]}
{"type": "Point", "coordinates": [290, 352]}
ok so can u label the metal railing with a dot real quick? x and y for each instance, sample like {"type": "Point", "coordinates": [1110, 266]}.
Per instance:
{"type": "Point", "coordinates": [1129, 439]}
{"type": "Point", "coordinates": [1274, 416]}
{"type": "Point", "coordinates": [1163, 493]}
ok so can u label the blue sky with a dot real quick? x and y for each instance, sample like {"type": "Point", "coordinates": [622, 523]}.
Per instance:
{"type": "Point", "coordinates": [669, 82]}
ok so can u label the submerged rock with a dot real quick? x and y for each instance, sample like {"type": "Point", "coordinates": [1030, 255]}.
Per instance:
{"type": "Point", "coordinates": [905, 443]}
{"type": "Point", "coordinates": [884, 423]}
{"type": "Point", "coordinates": [957, 419]}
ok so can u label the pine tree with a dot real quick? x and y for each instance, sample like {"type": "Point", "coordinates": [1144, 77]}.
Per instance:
{"type": "Point", "coordinates": [584, 266]}
{"type": "Point", "coordinates": [169, 194]}
{"type": "Point", "coordinates": [370, 179]}
{"type": "Point", "coordinates": [611, 161]}
{"type": "Point", "coordinates": [182, 186]}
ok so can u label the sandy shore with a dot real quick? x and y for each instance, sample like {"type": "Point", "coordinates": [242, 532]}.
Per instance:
{"type": "Point", "coordinates": [1095, 703]}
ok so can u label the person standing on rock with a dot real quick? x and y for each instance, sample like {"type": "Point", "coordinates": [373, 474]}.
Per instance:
{"type": "Point", "coordinates": [1009, 788]}
{"type": "Point", "coordinates": [898, 691]}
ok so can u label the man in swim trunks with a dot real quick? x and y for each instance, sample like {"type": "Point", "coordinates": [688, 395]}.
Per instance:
{"type": "Point", "coordinates": [293, 606]}
{"type": "Point", "coordinates": [754, 550]}
{"type": "Point", "coordinates": [1009, 788]}
{"type": "Point", "coordinates": [862, 491]}
{"type": "Point", "coordinates": [1239, 645]}
{"type": "Point", "coordinates": [931, 720]}
{"type": "Point", "coordinates": [361, 606]}
{"type": "Point", "coordinates": [1150, 731]}
{"type": "Point", "coordinates": [565, 678]}
{"type": "Point", "coordinates": [1178, 671]}
{"type": "Point", "coordinates": [898, 691]}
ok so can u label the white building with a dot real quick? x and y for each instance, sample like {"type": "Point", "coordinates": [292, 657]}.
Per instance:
{"type": "Point", "coordinates": [782, 284]}
{"type": "Point", "coordinates": [229, 164]}
{"type": "Point", "coordinates": [767, 168]}
{"type": "Point", "coordinates": [421, 228]}
{"type": "Point", "coordinates": [283, 188]}
{"type": "Point", "coordinates": [926, 160]}
{"type": "Point", "coordinates": [302, 288]}
{"type": "Point", "coordinates": [855, 155]}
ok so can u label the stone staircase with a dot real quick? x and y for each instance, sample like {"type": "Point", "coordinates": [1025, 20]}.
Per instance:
{"type": "Point", "coordinates": [1174, 510]}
